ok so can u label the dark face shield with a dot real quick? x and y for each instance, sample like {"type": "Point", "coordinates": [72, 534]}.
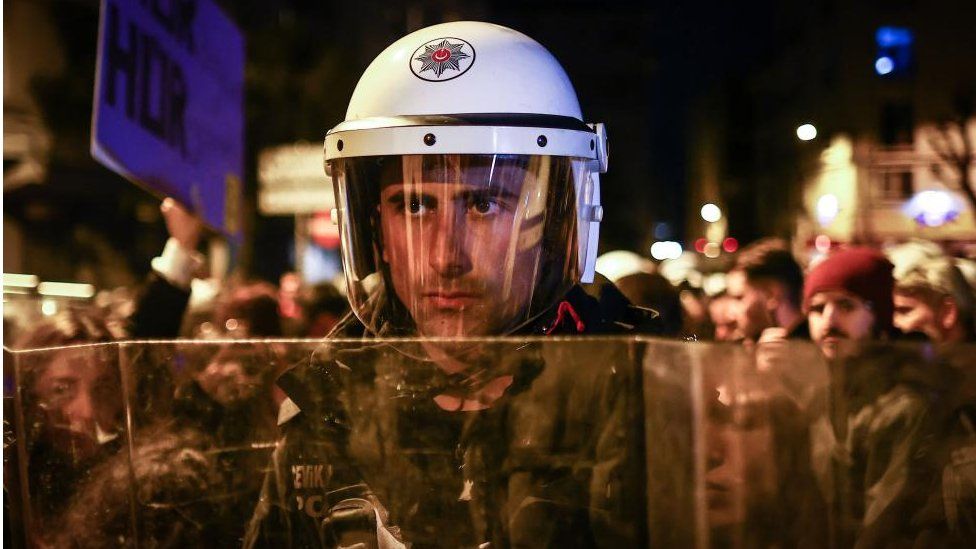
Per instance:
{"type": "Point", "coordinates": [457, 245]}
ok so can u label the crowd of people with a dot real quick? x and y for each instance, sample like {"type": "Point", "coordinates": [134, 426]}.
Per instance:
{"type": "Point", "coordinates": [867, 355]}
{"type": "Point", "coordinates": [837, 407]}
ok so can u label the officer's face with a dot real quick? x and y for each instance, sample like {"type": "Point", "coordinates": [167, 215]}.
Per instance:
{"type": "Point", "coordinates": [836, 317]}
{"type": "Point", "coordinates": [458, 255]}
{"type": "Point", "coordinates": [741, 471]}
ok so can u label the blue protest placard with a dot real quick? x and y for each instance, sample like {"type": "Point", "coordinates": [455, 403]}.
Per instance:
{"type": "Point", "coordinates": [168, 111]}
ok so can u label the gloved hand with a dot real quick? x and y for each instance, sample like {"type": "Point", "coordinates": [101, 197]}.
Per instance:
{"type": "Point", "coordinates": [357, 522]}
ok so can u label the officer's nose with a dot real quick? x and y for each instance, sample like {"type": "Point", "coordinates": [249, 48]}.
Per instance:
{"type": "Point", "coordinates": [717, 447]}
{"type": "Point", "coordinates": [449, 256]}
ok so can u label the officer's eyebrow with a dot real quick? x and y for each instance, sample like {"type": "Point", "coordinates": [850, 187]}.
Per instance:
{"type": "Point", "coordinates": [398, 197]}
{"type": "Point", "coordinates": [494, 192]}
{"type": "Point", "coordinates": [395, 193]}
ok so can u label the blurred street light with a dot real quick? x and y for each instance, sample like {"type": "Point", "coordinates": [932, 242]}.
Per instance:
{"type": "Point", "coordinates": [822, 243]}
{"type": "Point", "coordinates": [711, 213]}
{"type": "Point", "coordinates": [20, 280]}
{"type": "Point", "coordinates": [932, 208]}
{"type": "Point", "coordinates": [806, 132]}
{"type": "Point", "coordinates": [49, 307]}
{"type": "Point", "coordinates": [700, 245]}
{"type": "Point", "coordinates": [666, 249]}
{"type": "Point", "coordinates": [66, 289]}
{"type": "Point", "coordinates": [827, 209]}
{"type": "Point", "coordinates": [730, 245]}
{"type": "Point", "coordinates": [884, 65]}
{"type": "Point", "coordinates": [712, 250]}
{"type": "Point", "coordinates": [620, 263]}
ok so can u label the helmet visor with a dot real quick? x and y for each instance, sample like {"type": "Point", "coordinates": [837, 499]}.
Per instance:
{"type": "Point", "coordinates": [456, 245]}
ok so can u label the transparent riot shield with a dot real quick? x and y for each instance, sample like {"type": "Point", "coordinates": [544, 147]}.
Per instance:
{"type": "Point", "coordinates": [67, 416]}
{"type": "Point", "coordinates": [448, 443]}
{"type": "Point", "coordinates": [508, 442]}
{"type": "Point", "coordinates": [871, 448]}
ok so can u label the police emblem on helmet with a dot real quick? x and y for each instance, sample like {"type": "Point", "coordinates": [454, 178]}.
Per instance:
{"type": "Point", "coordinates": [442, 59]}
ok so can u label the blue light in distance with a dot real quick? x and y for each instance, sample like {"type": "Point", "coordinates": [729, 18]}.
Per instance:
{"type": "Point", "coordinates": [933, 208]}
{"type": "Point", "coordinates": [884, 65]}
{"type": "Point", "coordinates": [662, 230]}
{"type": "Point", "coordinates": [892, 37]}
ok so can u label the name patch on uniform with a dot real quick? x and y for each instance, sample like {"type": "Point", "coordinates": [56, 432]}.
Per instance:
{"type": "Point", "coordinates": [308, 476]}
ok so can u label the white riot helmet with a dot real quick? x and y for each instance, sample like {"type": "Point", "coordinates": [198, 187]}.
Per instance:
{"type": "Point", "coordinates": [466, 182]}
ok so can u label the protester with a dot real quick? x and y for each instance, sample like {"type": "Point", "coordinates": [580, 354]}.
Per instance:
{"type": "Point", "coordinates": [323, 309]}
{"type": "Point", "coordinates": [933, 298]}
{"type": "Point", "coordinates": [848, 297]}
{"type": "Point", "coordinates": [450, 442]}
{"type": "Point", "coordinates": [210, 401]}
{"type": "Point", "coordinates": [163, 300]}
{"type": "Point", "coordinates": [653, 291]}
{"type": "Point", "coordinates": [767, 282]}
{"type": "Point", "coordinates": [248, 310]}
{"type": "Point", "coordinates": [190, 469]}
{"type": "Point", "coordinates": [722, 312]}
{"type": "Point", "coordinates": [72, 402]}
{"type": "Point", "coordinates": [874, 424]}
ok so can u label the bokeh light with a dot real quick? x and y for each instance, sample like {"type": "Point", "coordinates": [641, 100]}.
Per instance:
{"type": "Point", "coordinates": [712, 250]}
{"type": "Point", "coordinates": [700, 245]}
{"type": "Point", "coordinates": [827, 209]}
{"type": "Point", "coordinates": [49, 307]}
{"type": "Point", "coordinates": [711, 213]}
{"type": "Point", "coordinates": [806, 132]}
{"type": "Point", "coordinates": [932, 208]}
{"type": "Point", "coordinates": [884, 65]}
{"type": "Point", "coordinates": [822, 243]}
{"type": "Point", "coordinates": [666, 249]}
{"type": "Point", "coordinates": [730, 245]}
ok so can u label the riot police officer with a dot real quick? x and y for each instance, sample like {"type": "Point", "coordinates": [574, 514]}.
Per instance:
{"type": "Point", "coordinates": [468, 198]}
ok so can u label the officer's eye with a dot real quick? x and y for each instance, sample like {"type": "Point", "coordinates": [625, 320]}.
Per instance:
{"type": "Point", "coordinates": [485, 206]}
{"type": "Point", "coordinates": [414, 204]}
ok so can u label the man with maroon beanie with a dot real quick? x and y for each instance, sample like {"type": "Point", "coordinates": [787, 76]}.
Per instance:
{"type": "Point", "coordinates": [873, 421]}
{"type": "Point", "coordinates": [848, 297]}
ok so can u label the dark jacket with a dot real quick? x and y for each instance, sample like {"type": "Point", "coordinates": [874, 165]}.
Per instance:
{"type": "Point", "coordinates": [880, 444]}
{"type": "Point", "coordinates": [158, 311]}
{"type": "Point", "coordinates": [552, 462]}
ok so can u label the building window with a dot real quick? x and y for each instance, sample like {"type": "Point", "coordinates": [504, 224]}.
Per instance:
{"type": "Point", "coordinates": [897, 124]}
{"type": "Point", "coordinates": [895, 184]}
